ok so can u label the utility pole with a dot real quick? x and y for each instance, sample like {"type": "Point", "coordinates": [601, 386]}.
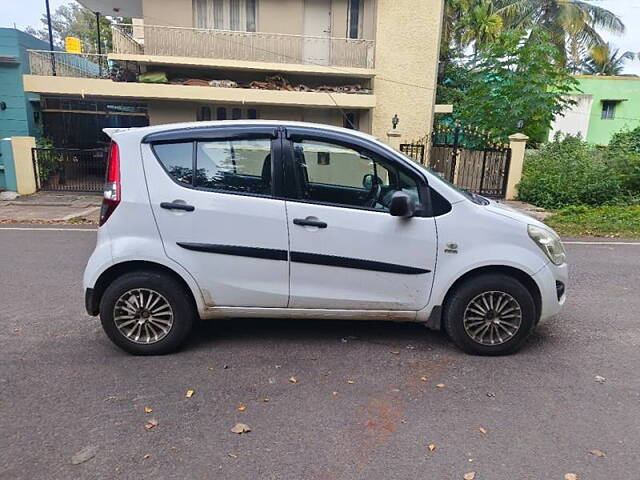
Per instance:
{"type": "Point", "coordinates": [99, 44]}
{"type": "Point", "coordinates": [53, 58]}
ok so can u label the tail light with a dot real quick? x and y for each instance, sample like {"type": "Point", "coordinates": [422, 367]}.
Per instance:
{"type": "Point", "coordinates": [112, 184]}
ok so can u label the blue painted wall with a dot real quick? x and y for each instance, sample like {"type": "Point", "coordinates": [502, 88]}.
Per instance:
{"type": "Point", "coordinates": [18, 118]}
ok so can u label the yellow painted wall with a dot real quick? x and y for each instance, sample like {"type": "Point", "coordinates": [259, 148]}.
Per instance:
{"type": "Point", "coordinates": [280, 16]}
{"type": "Point", "coordinates": [175, 13]}
{"type": "Point", "coordinates": [407, 46]}
{"type": "Point", "coordinates": [171, 112]}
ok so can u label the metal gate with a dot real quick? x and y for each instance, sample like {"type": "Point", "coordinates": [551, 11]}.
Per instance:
{"type": "Point", "coordinates": [467, 158]}
{"type": "Point", "coordinates": [71, 170]}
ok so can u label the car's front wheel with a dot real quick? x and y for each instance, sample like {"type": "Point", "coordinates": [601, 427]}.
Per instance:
{"type": "Point", "coordinates": [491, 314]}
{"type": "Point", "coordinates": [146, 313]}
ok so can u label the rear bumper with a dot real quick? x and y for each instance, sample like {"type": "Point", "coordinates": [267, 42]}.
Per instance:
{"type": "Point", "coordinates": [89, 302]}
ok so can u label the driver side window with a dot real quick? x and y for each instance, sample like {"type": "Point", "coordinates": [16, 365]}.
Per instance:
{"type": "Point", "coordinates": [339, 175]}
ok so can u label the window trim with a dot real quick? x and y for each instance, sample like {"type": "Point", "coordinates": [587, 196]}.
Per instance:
{"type": "Point", "coordinates": [359, 145]}
{"type": "Point", "coordinates": [277, 178]}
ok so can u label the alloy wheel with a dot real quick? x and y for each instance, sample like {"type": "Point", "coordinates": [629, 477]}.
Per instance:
{"type": "Point", "coordinates": [143, 316]}
{"type": "Point", "coordinates": [492, 318]}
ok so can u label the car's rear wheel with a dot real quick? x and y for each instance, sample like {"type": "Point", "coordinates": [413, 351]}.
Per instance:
{"type": "Point", "coordinates": [146, 313]}
{"type": "Point", "coordinates": [491, 314]}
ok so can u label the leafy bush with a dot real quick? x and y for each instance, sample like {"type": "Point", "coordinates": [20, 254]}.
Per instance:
{"type": "Point", "coordinates": [567, 172]}
{"type": "Point", "coordinates": [623, 155]}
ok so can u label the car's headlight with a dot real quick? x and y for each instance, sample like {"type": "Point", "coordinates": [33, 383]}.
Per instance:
{"type": "Point", "coordinates": [549, 242]}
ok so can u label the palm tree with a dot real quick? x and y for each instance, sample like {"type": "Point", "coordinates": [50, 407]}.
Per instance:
{"type": "Point", "coordinates": [603, 60]}
{"type": "Point", "coordinates": [480, 25]}
{"type": "Point", "coordinates": [561, 18]}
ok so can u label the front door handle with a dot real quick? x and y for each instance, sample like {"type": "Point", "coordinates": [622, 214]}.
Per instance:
{"type": "Point", "coordinates": [303, 222]}
{"type": "Point", "coordinates": [177, 206]}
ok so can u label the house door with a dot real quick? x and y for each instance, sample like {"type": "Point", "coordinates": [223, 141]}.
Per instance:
{"type": "Point", "coordinates": [316, 47]}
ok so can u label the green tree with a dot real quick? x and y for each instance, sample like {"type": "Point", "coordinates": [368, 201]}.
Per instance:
{"type": "Point", "coordinates": [516, 81]}
{"type": "Point", "coordinates": [72, 20]}
{"type": "Point", "coordinates": [604, 60]}
{"type": "Point", "coordinates": [560, 19]}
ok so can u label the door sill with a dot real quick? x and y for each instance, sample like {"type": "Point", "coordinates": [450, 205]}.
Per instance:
{"type": "Point", "coordinates": [311, 313]}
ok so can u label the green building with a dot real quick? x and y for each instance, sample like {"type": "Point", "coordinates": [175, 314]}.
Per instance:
{"type": "Point", "coordinates": [604, 106]}
{"type": "Point", "coordinates": [19, 111]}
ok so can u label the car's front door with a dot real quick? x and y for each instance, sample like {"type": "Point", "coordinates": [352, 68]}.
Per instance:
{"type": "Point", "coordinates": [212, 195]}
{"type": "Point", "coordinates": [346, 250]}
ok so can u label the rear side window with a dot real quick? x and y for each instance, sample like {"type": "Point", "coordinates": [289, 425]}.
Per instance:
{"type": "Point", "coordinates": [242, 166]}
{"type": "Point", "coordinates": [177, 159]}
{"type": "Point", "coordinates": [234, 165]}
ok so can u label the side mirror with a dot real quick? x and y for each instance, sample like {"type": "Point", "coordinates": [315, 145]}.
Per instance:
{"type": "Point", "coordinates": [402, 205]}
{"type": "Point", "coordinates": [367, 181]}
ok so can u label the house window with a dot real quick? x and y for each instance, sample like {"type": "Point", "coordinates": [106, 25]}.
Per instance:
{"type": "Point", "coordinates": [204, 114]}
{"type": "Point", "coordinates": [609, 109]}
{"type": "Point", "coordinates": [355, 16]}
{"type": "Point", "coordinates": [237, 15]}
{"type": "Point", "coordinates": [351, 120]}
{"type": "Point", "coordinates": [224, 113]}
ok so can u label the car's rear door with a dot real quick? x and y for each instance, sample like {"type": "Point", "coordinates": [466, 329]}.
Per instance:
{"type": "Point", "coordinates": [212, 195]}
{"type": "Point", "coordinates": [346, 250]}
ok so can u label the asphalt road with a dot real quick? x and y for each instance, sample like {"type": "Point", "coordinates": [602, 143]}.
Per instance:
{"type": "Point", "coordinates": [64, 388]}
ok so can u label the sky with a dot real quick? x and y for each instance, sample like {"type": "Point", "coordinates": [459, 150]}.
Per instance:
{"type": "Point", "coordinates": [28, 12]}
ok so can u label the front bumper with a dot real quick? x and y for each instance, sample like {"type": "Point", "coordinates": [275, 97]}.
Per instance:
{"type": "Point", "coordinates": [552, 283]}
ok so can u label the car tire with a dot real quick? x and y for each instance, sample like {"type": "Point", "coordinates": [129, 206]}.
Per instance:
{"type": "Point", "coordinates": [474, 331]}
{"type": "Point", "coordinates": [159, 292]}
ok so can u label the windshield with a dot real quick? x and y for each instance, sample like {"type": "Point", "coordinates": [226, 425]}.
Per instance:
{"type": "Point", "coordinates": [474, 197]}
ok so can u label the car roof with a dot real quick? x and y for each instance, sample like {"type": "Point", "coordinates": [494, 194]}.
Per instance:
{"type": "Point", "coordinates": [143, 131]}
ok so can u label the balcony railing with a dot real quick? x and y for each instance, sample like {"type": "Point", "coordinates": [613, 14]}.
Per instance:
{"type": "Point", "coordinates": [248, 46]}
{"type": "Point", "coordinates": [87, 65]}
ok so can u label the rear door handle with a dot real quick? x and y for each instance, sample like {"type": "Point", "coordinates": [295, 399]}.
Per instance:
{"type": "Point", "coordinates": [303, 222]}
{"type": "Point", "coordinates": [177, 206]}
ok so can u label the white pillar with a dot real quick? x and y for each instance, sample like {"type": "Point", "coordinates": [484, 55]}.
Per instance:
{"type": "Point", "coordinates": [518, 144]}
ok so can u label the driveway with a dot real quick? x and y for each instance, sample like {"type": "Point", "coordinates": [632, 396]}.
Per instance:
{"type": "Point", "coordinates": [369, 398]}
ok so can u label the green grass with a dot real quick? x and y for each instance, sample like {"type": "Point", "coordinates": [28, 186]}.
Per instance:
{"type": "Point", "coordinates": [597, 221]}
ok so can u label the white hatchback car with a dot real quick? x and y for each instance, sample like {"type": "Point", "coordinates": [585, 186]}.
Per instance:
{"type": "Point", "coordinates": [292, 220]}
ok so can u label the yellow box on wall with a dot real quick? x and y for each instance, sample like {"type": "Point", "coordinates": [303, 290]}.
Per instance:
{"type": "Point", "coordinates": [72, 45]}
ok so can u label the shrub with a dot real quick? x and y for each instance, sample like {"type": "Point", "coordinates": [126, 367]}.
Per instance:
{"type": "Point", "coordinates": [623, 155]}
{"type": "Point", "coordinates": [567, 172]}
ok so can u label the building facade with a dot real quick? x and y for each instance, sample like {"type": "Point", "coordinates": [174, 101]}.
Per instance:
{"type": "Point", "coordinates": [604, 106]}
{"type": "Point", "coordinates": [353, 63]}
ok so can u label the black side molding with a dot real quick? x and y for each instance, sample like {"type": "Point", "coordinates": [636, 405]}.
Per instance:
{"type": "Point", "coordinates": [357, 263]}
{"type": "Point", "coordinates": [254, 252]}
{"type": "Point", "coordinates": [303, 257]}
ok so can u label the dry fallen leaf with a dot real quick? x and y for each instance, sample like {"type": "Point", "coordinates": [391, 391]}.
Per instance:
{"type": "Point", "coordinates": [440, 385]}
{"type": "Point", "coordinates": [210, 368]}
{"type": "Point", "coordinates": [189, 393]}
{"type": "Point", "coordinates": [151, 423]}
{"type": "Point", "coordinates": [431, 447]}
{"type": "Point", "coordinates": [241, 428]}
{"type": "Point", "coordinates": [232, 455]}
{"type": "Point", "coordinates": [148, 410]}
{"type": "Point", "coordinates": [242, 407]}
{"type": "Point", "coordinates": [483, 430]}
{"type": "Point", "coordinates": [293, 379]}
{"type": "Point", "coordinates": [395, 352]}
{"type": "Point", "coordinates": [598, 453]}
{"type": "Point", "coordinates": [423, 378]}
{"type": "Point", "coordinates": [469, 476]}
{"type": "Point", "coordinates": [147, 456]}
{"type": "Point", "coordinates": [570, 476]}
{"type": "Point", "coordinates": [351, 382]}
